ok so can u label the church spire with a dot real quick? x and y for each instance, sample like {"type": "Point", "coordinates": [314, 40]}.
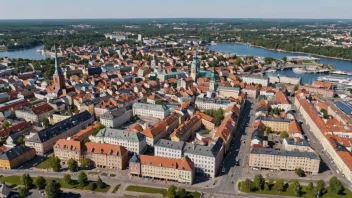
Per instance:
{"type": "Point", "coordinates": [58, 70]}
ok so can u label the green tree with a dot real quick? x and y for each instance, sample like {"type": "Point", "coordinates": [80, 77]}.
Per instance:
{"type": "Point", "coordinates": [21, 140]}
{"type": "Point", "coordinates": [85, 162]}
{"type": "Point", "coordinates": [284, 134]}
{"type": "Point", "coordinates": [171, 191]}
{"type": "Point", "coordinates": [284, 59]}
{"type": "Point", "coordinates": [44, 121]}
{"type": "Point", "coordinates": [72, 165]}
{"type": "Point", "coordinates": [279, 185]}
{"type": "Point", "coordinates": [100, 183]}
{"type": "Point", "coordinates": [325, 113]}
{"type": "Point", "coordinates": [23, 192]}
{"type": "Point", "coordinates": [298, 190]}
{"type": "Point", "coordinates": [67, 179]}
{"type": "Point", "coordinates": [320, 189]}
{"type": "Point", "coordinates": [259, 182]}
{"type": "Point", "coordinates": [6, 124]}
{"type": "Point", "coordinates": [310, 186]}
{"type": "Point", "coordinates": [92, 186]}
{"type": "Point", "coordinates": [296, 87]}
{"type": "Point", "coordinates": [266, 187]}
{"type": "Point", "coordinates": [300, 172]}
{"type": "Point", "coordinates": [239, 61]}
{"type": "Point", "coordinates": [52, 189]}
{"type": "Point", "coordinates": [39, 182]}
{"type": "Point", "coordinates": [55, 163]}
{"type": "Point", "coordinates": [336, 185]}
{"type": "Point", "coordinates": [268, 130]}
{"type": "Point", "coordinates": [249, 185]}
{"type": "Point", "coordinates": [82, 179]}
{"type": "Point", "coordinates": [268, 60]}
{"type": "Point", "coordinates": [26, 180]}
{"type": "Point", "coordinates": [96, 131]}
{"type": "Point", "coordinates": [181, 193]}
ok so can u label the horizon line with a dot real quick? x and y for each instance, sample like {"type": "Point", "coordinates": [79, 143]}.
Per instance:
{"type": "Point", "coordinates": [129, 18]}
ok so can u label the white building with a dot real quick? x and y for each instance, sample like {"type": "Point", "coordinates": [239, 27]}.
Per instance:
{"type": "Point", "coordinates": [115, 117]}
{"type": "Point", "coordinates": [169, 149]}
{"type": "Point", "coordinates": [151, 110]}
{"type": "Point", "coordinates": [211, 103]}
{"type": "Point", "coordinates": [255, 79]}
{"type": "Point", "coordinates": [34, 114]}
{"type": "Point", "coordinates": [131, 140]}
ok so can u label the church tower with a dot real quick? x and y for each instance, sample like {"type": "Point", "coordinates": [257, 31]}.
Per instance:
{"type": "Point", "coordinates": [213, 85]}
{"type": "Point", "coordinates": [195, 67]}
{"type": "Point", "coordinates": [59, 78]}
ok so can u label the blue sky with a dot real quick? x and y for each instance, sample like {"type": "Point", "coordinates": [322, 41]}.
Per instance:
{"type": "Point", "coordinates": [59, 9]}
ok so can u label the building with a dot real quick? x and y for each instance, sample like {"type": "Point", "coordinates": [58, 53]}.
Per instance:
{"type": "Point", "coordinates": [206, 159]}
{"type": "Point", "coordinates": [55, 118]}
{"type": "Point", "coordinates": [293, 80]}
{"type": "Point", "coordinates": [154, 134]}
{"type": "Point", "coordinates": [269, 158]}
{"type": "Point", "coordinates": [255, 79]}
{"type": "Point", "coordinates": [195, 67]}
{"type": "Point", "coordinates": [16, 156]}
{"type": "Point", "coordinates": [227, 91]}
{"type": "Point", "coordinates": [85, 133]}
{"type": "Point", "coordinates": [58, 77]}
{"type": "Point", "coordinates": [211, 103]}
{"type": "Point", "coordinates": [169, 149]}
{"type": "Point", "coordinates": [131, 140]}
{"type": "Point", "coordinates": [115, 117]}
{"type": "Point", "coordinates": [36, 113]}
{"type": "Point", "coordinates": [151, 110]}
{"type": "Point", "coordinates": [319, 90]}
{"type": "Point", "coordinates": [44, 140]}
{"type": "Point", "coordinates": [4, 190]}
{"type": "Point", "coordinates": [106, 156]}
{"type": "Point", "coordinates": [276, 124]}
{"type": "Point", "coordinates": [251, 92]}
{"type": "Point", "coordinates": [154, 167]}
{"type": "Point", "coordinates": [67, 149]}
{"type": "Point", "coordinates": [296, 144]}
{"type": "Point", "coordinates": [226, 131]}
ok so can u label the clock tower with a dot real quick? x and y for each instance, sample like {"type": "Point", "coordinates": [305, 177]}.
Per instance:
{"type": "Point", "coordinates": [59, 78]}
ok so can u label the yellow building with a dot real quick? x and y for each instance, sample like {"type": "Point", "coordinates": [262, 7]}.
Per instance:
{"type": "Point", "coordinates": [16, 156]}
{"type": "Point", "coordinates": [276, 124]}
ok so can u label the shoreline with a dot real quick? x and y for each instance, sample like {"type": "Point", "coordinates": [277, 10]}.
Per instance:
{"type": "Point", "coordinates": [322, 56]}
{"type": "Point", "coordinates": [27, 48]}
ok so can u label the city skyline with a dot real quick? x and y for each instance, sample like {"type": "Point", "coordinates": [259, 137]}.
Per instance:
{"type": "Point", "coordinates": [89, 9]}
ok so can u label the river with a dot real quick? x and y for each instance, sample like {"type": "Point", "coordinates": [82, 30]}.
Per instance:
{"type": "Point", "coordinates": [242, 49]}
{"type": "Point", "coordinates": [25, 53]}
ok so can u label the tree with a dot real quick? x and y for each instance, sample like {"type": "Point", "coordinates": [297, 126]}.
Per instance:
{"type": "Point", "coordinates": [72, 165]}
{"type": "Point", "coordinates": [310, 186]}
{"type": "Point", "coordinates": [300, 172]}
{"type": "Point", "coordinates": [268, 130]}
{"type": "Point", "coordinates": [39, 182]}
{"type": "Point", "coordinates": [284, 58]}
{"type": "Point", "coordinates": [266, 187]}
{"type": "Point", "coordinates": [26, 180]}
{"type": "Point", "coordinates": [296, 87]}
{"type": "Point", "coordinates": [100, 183]}
{"type": "Point", "coordinates": [171, 191]}
{"type": "Point", "coordinates": [284, 134]}
{"type": "Point", "coordinates": [6, 124]}
{"type": "Point", "coordinates": [279, 185]}
{"type": "Point", "coordinates": [85, 162]}
{"type": "Point", "coordinates": [96, 131]}
{"type": "Point", "coordinates": [239, 61]}
{"type": "Point", "coordinates": [55, 163]}
{"type": "Point", "coordinates": [181, 193]}
{"type": "Point", "coordinates": [268, 60]}
{"type": "Point", "coordinates": [336, 185]}
{"type": "Point", "coordinates": [249, 184]}
{"type": "Point", "coordinates": [320, 188]}
{"type": "Point", "coordinates": [324, 112]}
{"type": "Point", "coordinates": [67, 179]}
{"type": "Point", "coordinates": [23, 192]}
{"type": "Point", "coordinates": [259, 182]}
{"type": "Point", "coordinates": [52, 189]}
{"type": "Point", "coordinates": [21, 140]}
{"type": "Point", "coordinates": [298, 190]}
{"type": "Point", "coordinates": [92, 186]}
{"type": "Point", "coordinates": [44, 121]}
{"type": "Point", "coordinates": [82, 179]}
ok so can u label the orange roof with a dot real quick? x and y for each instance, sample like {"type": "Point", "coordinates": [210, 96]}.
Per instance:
{"type": "Point", "coordinates": [205, 117]}
{"type": "Point", "coordinates": [171, 118]}
{"type": "Point", "coordinates": [71, 145]}
{"type": "Point", "coordinates": [281, 98]}
{"type": "Point", "coordinates": [89, 130]}
{"type": "Point", "coordinates": [156, 130]}
{"type": "Point", "coordinates": [225, 129]}
{"type": "Point", "coordinates": [180, 164]}
{"type": "Point", "coordinates": [233, 109]}
{"type": "Point", "coordinates": [106, 149]}
{"type": "Point", "coordinates": [294, 128]}
{"type": "Point", "coordinates": [346, 157]}
{"type": "Point", "coordinates": [322, 84]}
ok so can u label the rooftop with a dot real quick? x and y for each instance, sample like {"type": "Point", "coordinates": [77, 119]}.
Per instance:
{"type": "Point", "coordinates": [271, 151]}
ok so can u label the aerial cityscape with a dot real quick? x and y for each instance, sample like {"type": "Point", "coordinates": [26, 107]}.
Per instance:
{"type": "Point", "coordinates": [181, 103]}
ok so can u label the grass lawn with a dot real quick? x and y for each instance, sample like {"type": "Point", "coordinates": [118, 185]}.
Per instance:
{"type": "Point", "coordinates": [112, 175]}
{"type": "Point", "coordinates": [13, 179]}
{"type": "Point", "coordinates": [44, 164]}
{"type": "Point", "coordinates": [104, 174]}
{"type": "Point", "coordinates": [146, 189]}
{"type": "Point", "coordinates": [116, 189]}
{"type": "Point", "coordinates": [92, 173]}
{"type": "Point", "coordinates": [74, 185]}
{"type": "Point", "coordinates": [290, 192]}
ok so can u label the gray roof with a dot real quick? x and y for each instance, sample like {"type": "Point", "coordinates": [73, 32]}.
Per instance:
{"type": "Point", "coordinates": [121, 134]}
{"type": "Point", "coordinates": [113, 114]}
{"type": "Point", "coordinates": [153, 107]}
{"type": "Point", "coordinates": [60, 127]}
{"type": "Point", "coordinates": [212, 100]}
{"type": "Point", "coordinates": [14, 152]}
{"type": "Point", "coordinates": [4, 190]}
{"type": "Point", "coordinates": [271, 151]}
{"type": "Point", "coordinates": [229, 88]}
{"type": "Point", "coordinates": [170, 144]}
{"type": "Point", "coordinates": [210, 151]}
{"type": "Point", "coordinates": [302, 142]}
{"type": "Point", "coordinates": [273, 119]}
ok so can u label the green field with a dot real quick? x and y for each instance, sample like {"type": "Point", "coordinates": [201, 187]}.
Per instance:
{"type": "Point", "coordinates": [116, 189]}
{"type": "Point", "coordinates": [289, 192]}
{"type": "Point", "coordinates": [13, 179]}
{"type": "Point", "coordinates": [44, 164]}
{"type": "Point", "coordinates": [158, 190]}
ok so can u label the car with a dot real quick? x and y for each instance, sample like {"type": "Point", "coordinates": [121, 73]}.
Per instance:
{"type": "Point", "coordinates": [237, 150]}
{"type": "Point", "coordinates": [223, 170]}
{"type": "Point", "coordinates": [35, 164]}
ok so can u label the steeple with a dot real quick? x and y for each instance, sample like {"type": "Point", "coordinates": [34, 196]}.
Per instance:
{"type": "Point", "coordinates": [58, 70]}
{"type": "Point", "coordinates": [59, 78]}
{"type": "Point", "coordinates": [213, 84]}
{"type": "Point", "coordinates": [195, 67]}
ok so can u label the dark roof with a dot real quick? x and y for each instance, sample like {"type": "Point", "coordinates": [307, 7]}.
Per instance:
{"type": "Point", "coordinates": [135, 158]}
{"type": "Point", "coordinates": [170, 144]}
{"type": "Point", "coordinates": [271, 151]}
{"type": "Point", "coordinates": [14, 152]}
{"type": "Point", "coordinates": [211, 151]}
{"type": "Point", "coordinates": [60, 127]}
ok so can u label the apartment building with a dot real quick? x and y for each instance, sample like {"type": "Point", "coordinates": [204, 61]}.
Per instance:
{"type": "Point", "coordinates": [206, 159]}
{"type": "Point", "coordinates": [55, 118]}
{"type": "Point", "coordinates": [226, 131]}
{"type": "Point", "coordinates": [67, 149]}
{"type": "Point", "coordinates": [44, 140]}
{"type": "Point", "coordinates": [169, 149]}
{"type": "Point", "coordinates": [319, 90]}
{"type": "Point", "coordinates": [131, 140]}
{"type": "Point", "coordinates": [293, 80]}
{"type": "Point", "coordinates": [16, 156]}
{"type": "Point", "coordinates": [211, 103]}
{"type": "Point", "coordinates": [269, 158]}
{"type": "Point", "coordinates": [276, 124]}
{"type": "Point", "coordinates": [154, 167]}
{"type": "Point", "coordinates": [36, 113]}
{"type": "Point", "coordinates": [255, 79]}
{"type": "Point", "coordinates": [296, 144]}
{"type": "Point", "coordinates": [85, 133]}
{"type": "Point", "coordinates": [151, 110]}
{"type": "Point", "coordinates": [227, 91]}
{"type": "Point", "coordinates": [116, 117]}
{"type": "Point", "coordinates": [107, 156]}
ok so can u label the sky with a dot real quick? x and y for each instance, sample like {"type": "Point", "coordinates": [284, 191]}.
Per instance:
{"type": "Point", "coordinates": [85, 9]}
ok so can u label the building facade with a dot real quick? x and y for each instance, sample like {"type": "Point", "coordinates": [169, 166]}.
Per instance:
{"type": "Point", "coordinates": [115, 117]}
{"type": "Point", "coordinates": [210, 103]}
{"type": "Point", "coordinates": [67, 149]}
{"type": "Point", "coordinates": [169, 149]}
{"type": "Point", "coordinates": [16, 156]}
{"type": "Point", "coordinates": [151, 110]}
{"type": "Point", "coordinates": [253, 79]}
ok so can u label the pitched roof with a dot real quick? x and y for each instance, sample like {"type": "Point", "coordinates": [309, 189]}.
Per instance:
{"type": "Point", "coordinates": [293, 127]}
{"type": "Point", "coordinates": [156, 130]}
{"type": "Point", "coordinates": [40, 109]}
{"type": "Point", "coordinates": [281, 98]}
{"type": "Point", "coordinates": [71, 145]}
{"type": "Point", "coordinates": [15, 152]}
{"type": "Point", "coordinates": [105, 149]}
{"type": "Point", "coordinates": [180, 164]}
